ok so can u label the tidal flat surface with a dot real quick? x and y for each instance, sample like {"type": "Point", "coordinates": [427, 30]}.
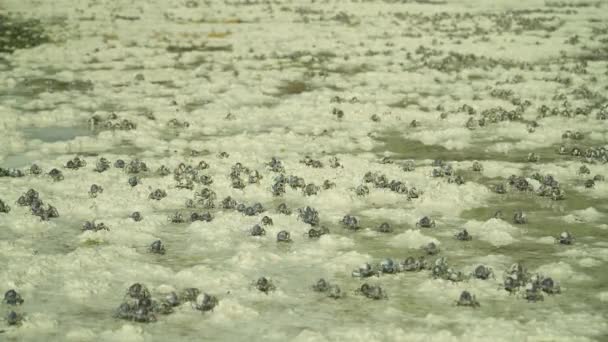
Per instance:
{"type": "Point", "coordinates": [484, 116]}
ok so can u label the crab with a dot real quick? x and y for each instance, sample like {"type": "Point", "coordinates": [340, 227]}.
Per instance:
{"type": "Point", "coordinates": [172, 299]}
{"type": "Point", "coordinates": [520, 217]}
{"type": "Point", "coordinates": [364, 271]}
{"type": "Point", "coordinates": [133, 181]}
{"type": "Point", "coordinates": [189, 294]}
{"type": "Point", "coordinates": [430, 248]}
{"type": "Point", "coordinates": [11, 297]}
{"type": "Point", "coordinates": [533, 157]}
{"type": "Point", "coordinates": [413, 193]}
{"type": "Point", "coordinates": [29, 198]}
{"type": "Point", "coordinates": [35, 169]}
{"type": "Point", "coordinates": [500, 188]}
{"type": "Point", "coordinates": [137, 291]}
{"type": "Point", "coordinates": [4, 208]}
{"type": "Point", "coordinates": [157, 194]}
{"type": "Point", "coordinates": [163, 171]}
{"type": "Point", "coordinates": [278, 188]}
{"type": "Point", "coordinates": [13, 318]}
{"type": "Point", "coordinates": [425, 222]}
{"type": "Point", "coordinates": [317, 232]}
{"type": "Point", "coordinates": [56, 175]}
{"type": "Point", "coordinates": [589, 183]}
{"type": "Point", "coordinates": [558, 194]}
{"type": "Point", "coordinates": [136, 216]}
{"type": "Point", "coordinates": [257, 230]}
{"type": "Point", "coordinates": [334, 162]}
{"type": "Point", "coordinates": [229, 203]}
{"type": "Point", "coordinates": [205, 302]}
{"type": "Point", "coordinates": [385, 227]}
{"type": "Point", "coordinates": [565, 238]}
{"type": "Point", "coordinates": [533, 293]}
{"type": "Point", "coordinates": [362, 190]}
{"type": "Point", "coordinates": [372, 291]}
{"type": "Point", "coordinates": [584, 170]}
{"type": "Point", "coordinates": [467, 299]}
{"type": "Point", "coordinates": [409, 166]}
{"type": "Point", "coordinates": [102, 165]}
{"type": "Point", "coordinates": [176, 217]}
{"type": "Point", "coordinates": [546, 284]}
{"type": "Point", "coordinates": [283, 236]}
{"type": "Point", "coordinates": [321, 285]}
{"type": "Point", "coordinates": [157, 247]}
{"type": "Point", "coordinates": [265, 285]}
{"type": "Point", "coordinates": [388, 266]}
{"type": "Point", "coordinates": [350, 222]}
{"type": "Point", "coordinates": [296, 182]}
{"type": "Point", "coordinates": [275, 165]}
{"type": "Point", "coordinates": [119, 164]}
{"type": "Point", "coordinates": [310, 189]}
{"type": "Point", "coordinates": [482, 272]}
{"type": "Point", "coordinates": [327, 184]}
{"type": "Point", "coordinates": [307, 216]}
{"type": "Point", "coordinates": [267, 221]}
{"type": "Point", "coordinates": [463, 235]}
{"type": "Point", "coordinates": [95, 190]}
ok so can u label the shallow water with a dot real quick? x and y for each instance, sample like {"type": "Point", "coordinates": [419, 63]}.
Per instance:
{"type": "Point", "coordinates": [334, 79]}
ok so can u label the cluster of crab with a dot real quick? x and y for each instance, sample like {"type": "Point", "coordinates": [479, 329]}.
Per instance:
{"type": "Point", "coordinates": [295, 182]}
{"type": "Point", "coordinates": [248, 210]}
{"type": "Point", "coordinates": [330, 290]}
{"type": "Point", "coordinates": [314, 163]}
{"type": "Point", "coordinates": [517, 278]}
{"type": "Point", "coordinates": [258, 229]}
{"type": "Point", "coordinates": [111, 121]}
{"type": "Point", "coordinates": [32, 199]}
{"type": "Point", "coordinates": [13, 298]}
{"type": "Point", "coordinates": [178, 217]}
{"type": "Point", "coordinates": [135, 166]}
{"type": "Point", "coordinates": [15, 173]}
{"type": "Point", "coordinates": [380, 181]}
{"type": "Point", "coordinates": [187, 176]}
{"type": "Point", "coordinates": [590, 155]}
{"type": "Point", "coordinates": [94, 227]}
{"type": "Point", "coordinates": [177, 124]}
{"type": "Point", "coordinates": [76, 163]}
{"type": "Point", "coordinates": [564, 110]}
{"type": "Point", "coordinates": [590, 183]}
{"type": "Point", "coordinates": [442, 169]}
{"type": "Point", "coordinates": [549, 187]}
{"type": "Point", "coordinates": [139, 306]}
{"type": "Point", "coordinates": [238, 170]}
